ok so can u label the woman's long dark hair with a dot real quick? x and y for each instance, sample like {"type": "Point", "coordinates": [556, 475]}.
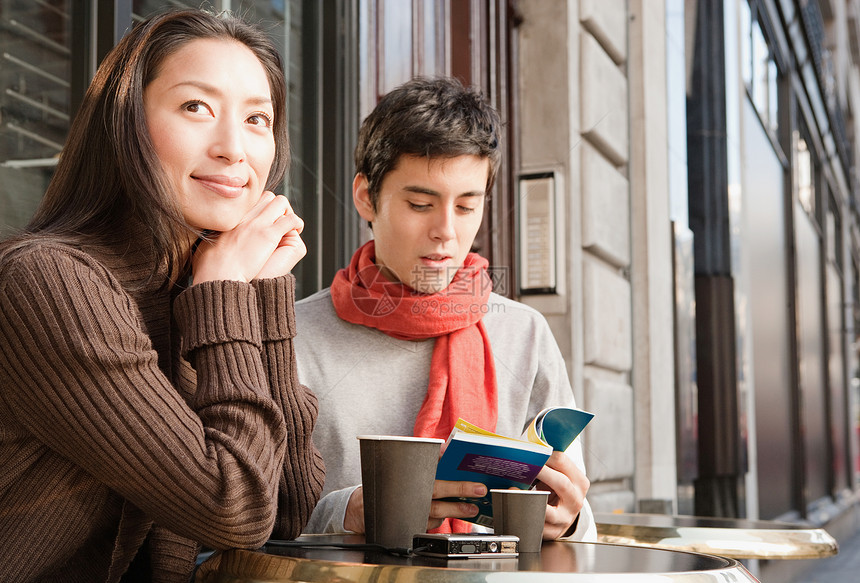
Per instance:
{"type": "Point", "coordinates": [108, 176]}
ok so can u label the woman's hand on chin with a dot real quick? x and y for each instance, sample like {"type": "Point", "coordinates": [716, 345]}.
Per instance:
{"type": "Point", "coordinates": [266, 243]}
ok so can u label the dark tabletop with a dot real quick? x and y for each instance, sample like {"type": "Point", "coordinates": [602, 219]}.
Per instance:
{"type": "Point", "coordinates": [557, 561]}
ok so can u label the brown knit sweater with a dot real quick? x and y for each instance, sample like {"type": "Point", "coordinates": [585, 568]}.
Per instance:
{"type": "Point", "coordinates": [137, 425]}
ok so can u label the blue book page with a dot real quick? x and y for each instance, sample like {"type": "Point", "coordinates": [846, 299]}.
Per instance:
{"type": "Point", "coordinates": [559, 426]}
{"type": "Point", "coordinates": [493, 461]}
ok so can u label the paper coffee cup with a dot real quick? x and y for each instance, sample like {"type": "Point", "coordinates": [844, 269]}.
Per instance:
{"type": "Point", "coordinates": [397, 475]}
{"type": "Point", "coordinates": [520, 513]}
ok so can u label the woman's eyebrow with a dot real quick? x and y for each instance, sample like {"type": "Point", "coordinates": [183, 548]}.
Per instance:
{"type": "Point", "coordinates": [212, 89]}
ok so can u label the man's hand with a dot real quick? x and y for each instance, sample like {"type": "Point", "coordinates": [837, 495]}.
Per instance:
{"type": "Point", "coordinates": [353, 520]}
{"type": "Point", "coordinates": [567, 486]}
{"type": "Point", "coordinates": [442, 509]}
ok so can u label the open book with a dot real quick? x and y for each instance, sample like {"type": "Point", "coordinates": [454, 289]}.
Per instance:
{"type": "Point", "coordinates": [473, 454]}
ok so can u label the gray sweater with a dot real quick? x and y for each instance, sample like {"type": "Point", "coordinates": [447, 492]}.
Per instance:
{"type": "Point", "coordinates": [370, 383]}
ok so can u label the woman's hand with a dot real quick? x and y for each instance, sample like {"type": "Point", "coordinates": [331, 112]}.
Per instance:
{"type": "Point", "coordinates": [266, 243]}
{"type": "Point", "coordinates": [567, 485]}
{"type": "Point", "coordinates": [289, 251]}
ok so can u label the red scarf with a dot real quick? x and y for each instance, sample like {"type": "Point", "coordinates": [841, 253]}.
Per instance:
{"type": "Point", "coordinates": [462, 373]}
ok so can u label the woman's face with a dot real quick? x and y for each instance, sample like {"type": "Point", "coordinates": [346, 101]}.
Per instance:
{"type": "Point", "coordinates": [210, 115]}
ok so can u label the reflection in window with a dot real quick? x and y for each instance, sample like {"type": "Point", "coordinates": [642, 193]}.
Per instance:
{"type": "Point", "coordinates": [397, 38]}
{"type": "Point", "coordinates": [140, 9]}
{"type": "Point", "coordinates": [35, 74]}
{"type": "Point", "coordinates": [431, 44]}
{"type": "Point", "coordinates": [855, 295]}
{"type": "Point", "coordinates": [772, 94]}
{"type": "Point", "coordinates": [745, 18]}
{"type": "Point", "coordinates": [803, 175]}
{"type": "Point", "coordinates": [833, 233]}
{"type": "Point", "coordinates": [761, 56]}
{"type": "Point", "coordinates": [758, 68]}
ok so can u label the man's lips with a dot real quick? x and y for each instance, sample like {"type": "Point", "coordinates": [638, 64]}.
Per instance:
{"type": "Point", "coordinates": [229, 186]}
{"type": "Point", "coordinates": [435, 259]}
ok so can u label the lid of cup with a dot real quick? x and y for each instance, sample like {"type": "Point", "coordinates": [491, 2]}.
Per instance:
{"type": "Point", "coordinates": [517, 491]}
{"type": "Point", "coordinates": [401, 438]}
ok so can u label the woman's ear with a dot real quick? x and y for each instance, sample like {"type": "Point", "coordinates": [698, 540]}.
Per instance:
{"type": "Point", "coordinates": [361, 198]}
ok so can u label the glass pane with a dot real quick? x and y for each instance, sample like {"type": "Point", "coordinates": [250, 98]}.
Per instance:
{"type": "Point", "coordinates": [760, 60]}
{"type": "Point", "coordinates": [831, 235]}
{"type": "Point", "coordinates": [773, 95]}
{"type": "Point", "coordinates": [838, 409]}
{"type": "Point", "coordinates": [853, 397]}
{"type": "Point", "coordinates": [763, 205]}
{"type": "Point", "coordinates": [35, 71]}
{"type": "Point", "coordinates": [431, 59]}
{"type": "Point", "coordinates": [143, 8]}
{"type": "Point", "coordinates": [744, 37]}
{"type": "Point", "coordinates": [367, 65]}
{"type": "Point", "coordinates": [812, 359]}
{"type": "Point", "coordinates": [301, 56]}
{"type": "Point", "coordinates": [803, 175]}
{"type": "Point", "coordinates": [397, 44]}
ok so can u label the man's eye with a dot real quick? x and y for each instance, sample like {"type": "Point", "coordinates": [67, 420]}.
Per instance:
{"type": "Point", "coordinates": [418, 207]}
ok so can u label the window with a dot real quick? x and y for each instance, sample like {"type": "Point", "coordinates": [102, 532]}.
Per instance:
{"type": "Point", "coordinates": [803, 174]}
{"type": "Point", "coordinates": [35, 81]}
{"type": "Point", "coordinates": [758, 68]}
{"type": "Point", "coordinates": [833, 233]}
{"type": "Point", "coordinates": [809, 181]}
{"type": "Point", "coordinates": [399, 40]}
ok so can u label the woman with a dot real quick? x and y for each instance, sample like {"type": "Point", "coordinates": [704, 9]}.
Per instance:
{"type": "Point", "coordinates": [149, 399]}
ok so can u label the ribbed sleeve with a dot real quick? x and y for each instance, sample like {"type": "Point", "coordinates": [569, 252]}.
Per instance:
{"type": "Point", "coordinates": [303, 474]}
{"type": "Point", "coordinates": [91, 425]}
{"type": "Point", "coordinates": [170, 554]}
{"type": "Point", "coordinates": [277, 307]}
{"type": "Point", "coordinates": [216, 312]}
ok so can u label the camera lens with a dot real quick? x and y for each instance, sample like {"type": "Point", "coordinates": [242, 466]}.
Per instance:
{"type": "Point", "coordinates": [494, 547]}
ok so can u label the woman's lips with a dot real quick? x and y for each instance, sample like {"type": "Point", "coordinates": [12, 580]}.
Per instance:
{"type": "Point", "coordinates": [227, 186]}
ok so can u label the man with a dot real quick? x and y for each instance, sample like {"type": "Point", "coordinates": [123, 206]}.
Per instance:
{"type": "Point", "coordinates": [409, 336]}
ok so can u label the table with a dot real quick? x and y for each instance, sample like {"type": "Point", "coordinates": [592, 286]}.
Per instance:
{"type": "Point", "coordinates": [558, 561]}
{"type": "Point", "coordinates": [726, 537]}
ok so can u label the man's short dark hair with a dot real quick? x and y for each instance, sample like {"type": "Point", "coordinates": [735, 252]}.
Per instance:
{"type": "Point", "coordinates": [432, 118]}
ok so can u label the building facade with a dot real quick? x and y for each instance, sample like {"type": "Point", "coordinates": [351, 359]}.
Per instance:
{"type": "Point", "coordinates": [678, 197]}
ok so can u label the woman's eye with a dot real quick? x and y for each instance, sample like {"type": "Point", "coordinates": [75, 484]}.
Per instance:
{"type": "Point", "coordinates": [196, 107]}
{"type": "Point", "coordinates": [418, 207]}
{"type": "Point", "coordinates": [466, 209]}
{"type": "Point", "coordinates": [260, 119]}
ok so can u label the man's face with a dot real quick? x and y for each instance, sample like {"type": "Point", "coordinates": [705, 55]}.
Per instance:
{"type": "Point", "coordinates": [426, 218]}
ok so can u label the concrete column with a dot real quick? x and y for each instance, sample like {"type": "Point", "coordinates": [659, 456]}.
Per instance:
{"type": "Point", "coordinates": [651, 269]}
{"type": "Point", "coordinates": [574, 120]}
